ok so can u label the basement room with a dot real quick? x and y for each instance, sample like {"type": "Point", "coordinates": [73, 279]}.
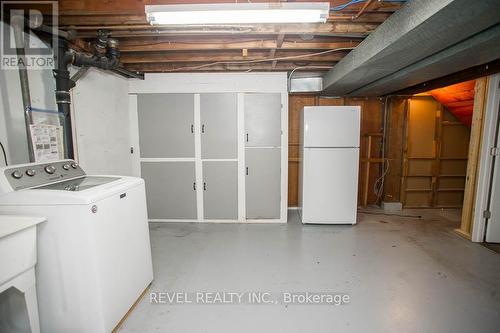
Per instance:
{"type": "Point", "coordinates": [249, 166]}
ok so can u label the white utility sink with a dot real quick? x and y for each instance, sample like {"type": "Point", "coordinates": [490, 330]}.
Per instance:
{"type": "Point", "coordinates": [18, 259]}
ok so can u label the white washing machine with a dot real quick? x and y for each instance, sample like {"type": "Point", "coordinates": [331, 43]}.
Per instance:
{"type": "Point", "coordinates": [94, 254]}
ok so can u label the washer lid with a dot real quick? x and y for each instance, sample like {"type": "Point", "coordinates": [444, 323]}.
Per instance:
{"type": "Point", "coordinates": [78, 184]}
{"type": "Point", "coordinates": [109, 186]}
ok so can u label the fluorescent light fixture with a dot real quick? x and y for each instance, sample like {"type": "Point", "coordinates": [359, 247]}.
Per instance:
{"type": "Point", "coordinates": [238, 13]}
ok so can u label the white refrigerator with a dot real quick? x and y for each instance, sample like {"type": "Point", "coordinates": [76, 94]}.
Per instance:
{"type": "Point", "coordinates": [329, 162]}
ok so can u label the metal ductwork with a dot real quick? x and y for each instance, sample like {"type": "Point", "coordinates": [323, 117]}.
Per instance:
{"type": "Point", "coordinates": [437, 37]}
{"type": "Point", "coordinates": [477, 50]}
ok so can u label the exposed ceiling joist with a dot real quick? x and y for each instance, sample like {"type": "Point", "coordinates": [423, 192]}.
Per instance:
{"type": "Point", "coordinates": [223, 55]}
{"type": "Point", "coordinates": [326, 29]}
{"type": "Point", "coordinates": [134, 46]}
{"type": "Point", "coordinates": [154, 48]}
{"type": "Point", "coordinates": [134, 19]}
{"type": "Point", "coordinates": [190, 67]}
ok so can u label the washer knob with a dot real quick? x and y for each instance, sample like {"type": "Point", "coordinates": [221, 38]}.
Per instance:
{"type": "Point", "coordinates": [74, 165]}
{"type": "Point", "coordinates": [50, 169]}
{"type": "Point", "coordinates": [17, 174]}
{"type": "Point", "coordinates": [31, 172]}
{"type": "Point", "coordinates": [66, 166]}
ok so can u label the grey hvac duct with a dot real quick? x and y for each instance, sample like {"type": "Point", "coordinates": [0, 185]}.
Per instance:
{"type": "Point", "coordinates": [479, 49]}
{"type": "Point", "coordinates": [420, 29]}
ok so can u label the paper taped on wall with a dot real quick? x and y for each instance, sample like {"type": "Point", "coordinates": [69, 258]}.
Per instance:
{"type": "Point", "coordinates": [47, 142]}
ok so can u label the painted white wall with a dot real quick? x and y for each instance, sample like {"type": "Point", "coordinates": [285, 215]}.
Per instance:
{"type": "Point", "coordinates": [101, 123]}
{"type": "Point", "coordinates": [210, 82]}
{"type": "Point", "coordinates": [12, 128]}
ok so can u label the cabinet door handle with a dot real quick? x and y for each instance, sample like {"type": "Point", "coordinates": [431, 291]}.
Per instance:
{"type": "Point", "coordinates": [204, 186]}
{"type": "Point", "coordinates": [247, 137]}
{"type": "Point", "coordinates": [203, 128]}
{"type": "Point", "coordinates": [192, 128]}
{"type": "Point", "coordinates": [247, 171]}
{"type": "Point", "coordinates": [194, 186]}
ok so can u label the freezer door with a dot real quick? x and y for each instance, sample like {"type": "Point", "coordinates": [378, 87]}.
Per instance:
{"type": "Point", "coordinates": [331, 126]}
{"type": "Point", "coordinates": [330, 185]}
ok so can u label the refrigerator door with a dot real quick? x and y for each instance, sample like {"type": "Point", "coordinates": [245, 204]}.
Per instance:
{"type": "Point", "coordinates": [330, 185]}
{"type": "Point", "coordinates": [331, 126]}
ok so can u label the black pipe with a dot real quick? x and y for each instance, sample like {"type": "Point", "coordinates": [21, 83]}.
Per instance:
{"type": "Point", "coordinates": [63, 98]}
{"type": "Point", "coordinates": [106, 56]}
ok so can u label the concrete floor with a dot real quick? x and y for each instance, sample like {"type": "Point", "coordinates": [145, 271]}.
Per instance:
{"type": "Point", "coordinates": [402, 274]}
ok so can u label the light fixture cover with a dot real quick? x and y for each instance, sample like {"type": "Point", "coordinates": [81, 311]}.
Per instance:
{"type": "Point", "coordinates": [238, 13]}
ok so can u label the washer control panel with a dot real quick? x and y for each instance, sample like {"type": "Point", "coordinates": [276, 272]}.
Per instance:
{"type": "Point", "coordinates": [38, 174]}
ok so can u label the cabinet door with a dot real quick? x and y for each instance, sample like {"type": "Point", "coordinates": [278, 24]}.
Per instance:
{"type": "Point", "coordinates": [263, 183]}
{"type": "Point", "coordinates": [170, 189]}
{"type": "Point", "coordinates": [263, 120]}
{"type": "Point", "coordinates": [166, 125]}
{"type": "Point", "coordinates": [220, 190]}
{"type": "Point", "coordinates": [219, 127]}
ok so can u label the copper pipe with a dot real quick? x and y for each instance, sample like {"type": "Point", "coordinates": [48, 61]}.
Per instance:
{"type": "Point", "coordinates": [362, 10]}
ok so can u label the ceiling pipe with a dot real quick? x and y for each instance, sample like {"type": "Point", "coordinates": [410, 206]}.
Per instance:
{"type": "Point", "coordinates": [362, 10]}
{"type": "Point", "coordinates": [105, 56]}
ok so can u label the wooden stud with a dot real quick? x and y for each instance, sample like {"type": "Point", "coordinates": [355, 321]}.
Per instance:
{"type": "Point", "coordinates": [437, 154]}
{"type": "Point", "coordinates": [279, 43]}
{"type": "Point", "coordinates": [367, 170]}
{"type": "Point", "coordinates": [480, 97]}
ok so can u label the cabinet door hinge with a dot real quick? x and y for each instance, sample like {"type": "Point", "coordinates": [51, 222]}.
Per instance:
{"type": "Point", "coordinates": [487, 214]}
{"type": "Point", "coordinates": [494, 151]}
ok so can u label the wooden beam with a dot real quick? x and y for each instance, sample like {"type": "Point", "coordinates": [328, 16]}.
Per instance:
{"type": "Point", "coordinates": [193, 67]}
{"type": "Point", "coordinates": [129, 19]}
{"type": "Point", "coordinates": [367, 170]}
{"type": "Point", "coordinates": [326, 29]}
{"type": "Point", "coordinates": [222, 55]}
{"type": "Point", "coordinates": [462, 76]}
{"type": "Point", "coordinates": [279, 43]}
{"type": "Point", "coordinates": [95, 7]}
{"type": "Point", "coordinates": [480, 96]}
{"type": "Point", "coordinates": [138, 45]}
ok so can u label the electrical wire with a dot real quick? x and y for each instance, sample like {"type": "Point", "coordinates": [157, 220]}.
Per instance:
{"type": "Point", "coordinates": [353, 2]}
{"type": "Point", "coordinates": [378, 186]}
{"type": "Point", "coordinates": [4, 154]}
{"type": "Point", "coordinates": [389, 214]}
{"type": "Point", "coordinates": [258, 60]}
